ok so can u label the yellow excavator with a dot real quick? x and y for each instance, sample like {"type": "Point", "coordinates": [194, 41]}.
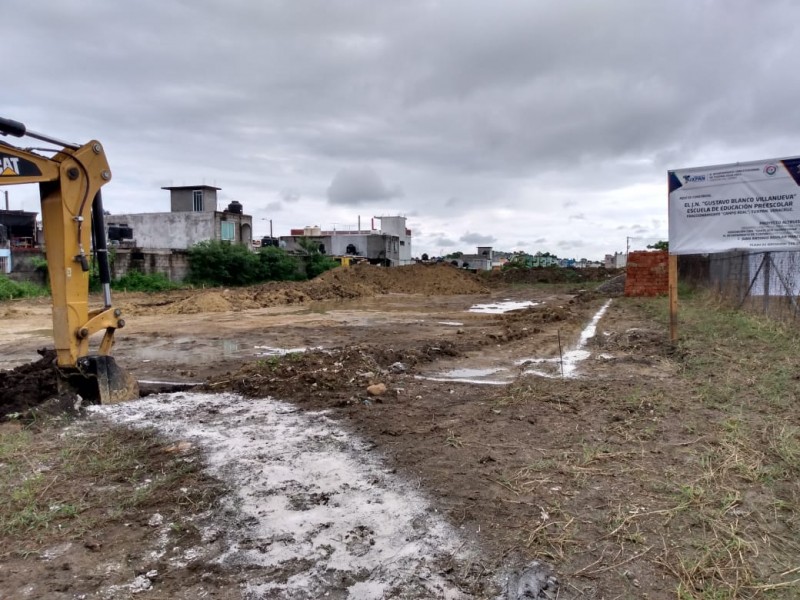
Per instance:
{"type": "Point", "coordinates": [72, 218]}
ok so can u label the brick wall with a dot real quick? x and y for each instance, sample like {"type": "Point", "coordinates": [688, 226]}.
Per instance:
{"type": "Point", "coordinates": [647, 274]}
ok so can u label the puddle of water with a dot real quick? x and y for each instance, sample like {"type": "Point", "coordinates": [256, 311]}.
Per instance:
{"type": "Point", "coordinates": [478, 376]}
{"type": "Point", "coordinates": [230, 346]}
{"type": "Point", "coordinates": [564, 366]}
{"type": "Point", "coordinates": [569, 361]}
{"type": "Point", "coordinates": [45, 332]}
{"type": "Point", "coordinates": [175, 383]}
{"type": "Point", "coordinates": [504, 306]}
{"type": "Point", "coordinates": [463, 380]}
{"type": "Point", "coordinates": [451, 323]}
{"type": "Point", "coordinates": [270, 351]}
{"type": "Point", "coordinates": [472, 373]}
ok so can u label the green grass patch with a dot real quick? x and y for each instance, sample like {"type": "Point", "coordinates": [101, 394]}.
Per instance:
{"type": "Point", "coordinates": [10, 289]}
{"type": "Point", "coordinates": [135, 281]}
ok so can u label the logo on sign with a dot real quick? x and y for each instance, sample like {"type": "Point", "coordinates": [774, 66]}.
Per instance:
{"type": "Point", "coordinates": [9, 165]}
{"type": "Point", "coordinates": [770, 170]}
{"type": "Point", "coordinates": [693, 178]}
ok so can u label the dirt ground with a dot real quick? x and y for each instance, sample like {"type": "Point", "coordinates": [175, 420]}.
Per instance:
{"type": "Point", "coordinates": [591, 474]}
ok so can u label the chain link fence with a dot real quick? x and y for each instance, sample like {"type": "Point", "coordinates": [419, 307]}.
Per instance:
{"type": "Point", "coordinates": [765, 282]}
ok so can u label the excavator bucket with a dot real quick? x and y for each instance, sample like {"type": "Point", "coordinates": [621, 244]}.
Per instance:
{"type": "Point", "coordinates": [99, 380]}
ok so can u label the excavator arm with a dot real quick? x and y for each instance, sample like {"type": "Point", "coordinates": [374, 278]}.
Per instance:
{"type": "Point", "coordinates": [72, 219]}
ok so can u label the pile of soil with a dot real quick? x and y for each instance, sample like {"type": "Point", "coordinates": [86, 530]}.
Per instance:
{"type": "Point", "coordinates": [211, 301]}
{"type": "Point", "coordinates": [331, 378]}
{"type": "Point", "coordinates": [440, 280]}
{"type": "Point", "coordinates": [32, 389]}
{"type": "Point", "coordinates": [613, 287]}
{"type": "Point", "coordinates": [358, 281]}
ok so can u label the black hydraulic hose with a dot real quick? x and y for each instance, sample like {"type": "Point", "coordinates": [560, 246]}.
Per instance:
{"type": "Point", "coordinates": [10, 127]}
{"type": "Point", "coordinates": [101, 247]}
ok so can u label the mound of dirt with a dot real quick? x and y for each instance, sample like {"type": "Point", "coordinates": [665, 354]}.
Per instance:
{"type": "Point", "coordinates": [33, 387]}
{"type": "Point", "coordinates": [613, 287]}
{"type": "Point", "coordinates": [203, 302]}
{"type": "Point", "coordinates": [411, 279]}
{"type": "Point", "coordinates": [358, 281]}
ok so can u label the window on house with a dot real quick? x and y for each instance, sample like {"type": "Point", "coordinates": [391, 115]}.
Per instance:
{"type": "Point", "coordinates": [197, 200]}
{"type": "Point", "coordinates": [228, 232]}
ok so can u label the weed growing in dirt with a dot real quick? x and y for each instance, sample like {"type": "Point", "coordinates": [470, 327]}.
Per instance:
{"type": "Point", "coordinates": [58, 485]}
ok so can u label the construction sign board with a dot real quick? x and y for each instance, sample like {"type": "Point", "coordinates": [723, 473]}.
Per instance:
{"type": "Point", "coordinates": [742, 206]}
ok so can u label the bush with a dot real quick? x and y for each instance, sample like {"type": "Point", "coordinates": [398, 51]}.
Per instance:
{"type": "Point", "coordinates": [277, 265]}
{"type": "Point", "coordinates": [316, 264]}
{"type": "Point", "coordinates": [219, 263]}
{"type": "Point", "coordinates": [315, 261]}
{"type": "Point", "coordinates": [135, 281]}
{"type": "Point", "coordinates": [19, 289]}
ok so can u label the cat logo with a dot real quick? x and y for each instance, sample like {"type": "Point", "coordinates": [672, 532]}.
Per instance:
{"type": "Point", "coordinates": [9, 166]}
{"type": "Point", "coordinates": [14, 166]}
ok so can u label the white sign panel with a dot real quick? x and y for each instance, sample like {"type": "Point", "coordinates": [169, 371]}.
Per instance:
{"type": "Point", "coordinates": [743, 206]}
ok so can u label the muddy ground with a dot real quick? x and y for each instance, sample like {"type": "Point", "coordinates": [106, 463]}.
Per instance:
{"type": "Point", "coordinates": [580, 473]}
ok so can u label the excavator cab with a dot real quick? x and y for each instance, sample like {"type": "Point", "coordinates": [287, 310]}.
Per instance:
{"type": "Point", "coordinates": [72, 218]}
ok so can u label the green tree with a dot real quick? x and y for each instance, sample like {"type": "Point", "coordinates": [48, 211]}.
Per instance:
{"type": "Point", "coordinates": [277, 265]}
{"type": "Point", "coordinates": [660, 245]}
{"type": "Point", "coordinates": [220, 263]}
{"type": "Point", "coordinates": [316, 262]}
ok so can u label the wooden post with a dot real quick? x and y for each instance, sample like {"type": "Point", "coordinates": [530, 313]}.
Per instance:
{"type": "Point", "coordinates": [767, 277]}
{"type": "Point", "coordinates": [673, 298]}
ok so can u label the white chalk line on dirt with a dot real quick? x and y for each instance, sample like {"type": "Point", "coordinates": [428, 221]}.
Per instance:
{"type": "Point", "coordinates": [565, 365]}
{"type": "Point", "coordinates": [572, 358]}
{"type": "Point", "coordinates": [313, 506]}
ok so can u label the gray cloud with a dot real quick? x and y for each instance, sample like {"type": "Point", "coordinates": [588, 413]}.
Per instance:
{"type": "Point", "coordinates": [359, 185]}
{"type": "Point", "coordinates": [477, 238]}
{"type": "Point", "coordinates": [273, 207]}
{"type": "Point", "coordinates": [444, 242]}
{"type": "Point", "coordinates": [523, 108]}
{"type": "Point", "coordinates": [290, 196]}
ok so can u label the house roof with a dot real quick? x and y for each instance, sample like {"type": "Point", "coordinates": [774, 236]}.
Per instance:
{"type": "Point", "coordinates": [190, 187]}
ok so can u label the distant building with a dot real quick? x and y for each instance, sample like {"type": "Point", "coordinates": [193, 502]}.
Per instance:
{"type": "Point", "coordinates": [157, 242]}
{"type": "Point", "coordinates": [390, 245]}
{"type": "Point", "coordinates": [19, 239]}
{"type": "Point", "coordinates": [5, 251]}
{"type": "Point", "coordinates": [618, 260]}
{"type": "Point", "coordinates": [193, 218]}
{"type": "Point", "coordinates": [482, 260]}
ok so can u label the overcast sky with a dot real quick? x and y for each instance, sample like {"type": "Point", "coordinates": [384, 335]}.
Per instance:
{"type": "Point", "coordinates": [522, 124]}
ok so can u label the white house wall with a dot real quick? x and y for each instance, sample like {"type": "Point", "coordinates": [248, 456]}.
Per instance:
{"type": "Point", "coordinates": [178, 230]}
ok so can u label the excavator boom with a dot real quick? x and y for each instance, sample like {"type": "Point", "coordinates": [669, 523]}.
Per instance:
{"type": "Point", "coordinates": [72, 218]}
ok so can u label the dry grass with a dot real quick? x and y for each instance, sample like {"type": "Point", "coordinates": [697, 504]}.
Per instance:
{"type": "Point", "coordinates": [60, 484]}
{"type": "Point", "coordinates": [691, 483]}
